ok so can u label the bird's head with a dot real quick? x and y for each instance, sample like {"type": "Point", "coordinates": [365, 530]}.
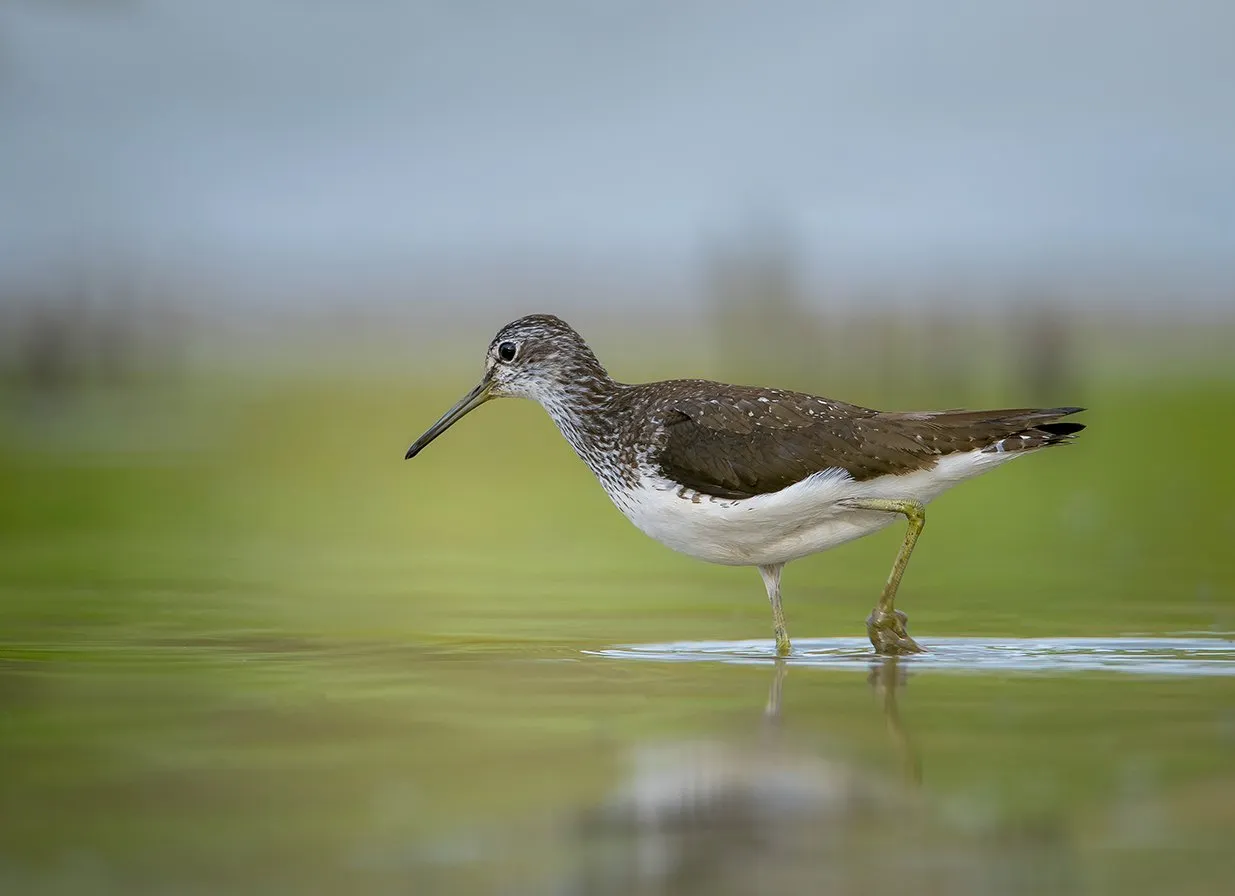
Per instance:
{"type": "Point", "coordinates": [539, 357]}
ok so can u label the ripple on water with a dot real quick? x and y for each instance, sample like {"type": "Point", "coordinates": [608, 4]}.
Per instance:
{"type": "Point", "coordinates": [1181, 655]}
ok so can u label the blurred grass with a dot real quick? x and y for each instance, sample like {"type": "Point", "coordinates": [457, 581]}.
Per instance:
{"type": "Point", "coordinates": [286, 505]}
{"type": "Point", "coordinates": [242, 639]}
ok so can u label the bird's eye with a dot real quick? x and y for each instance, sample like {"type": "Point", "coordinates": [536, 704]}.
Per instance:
{"type": "Point", "coordinates": [507, 350]}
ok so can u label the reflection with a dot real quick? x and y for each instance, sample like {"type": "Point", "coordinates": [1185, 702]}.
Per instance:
{"type": "Point", "coordinates": [720, 817]}
{"type": "Point", "coordinates": [728, 815]}
{"type": "Point", "coordinates": [887, 675]}
{"type": "Point", "coordinates": [774, 813]}
{"type": "Point", "coordinates": [772, 710]}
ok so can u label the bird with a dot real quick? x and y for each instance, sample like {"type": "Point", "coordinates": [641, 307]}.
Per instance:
{"type": "Point", "coordinates": [752, 476]}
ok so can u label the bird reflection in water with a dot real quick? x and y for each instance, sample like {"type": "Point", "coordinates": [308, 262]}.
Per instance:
{"type": "Point", "coordinates": [718, 818]}
{"type": "Point", "coordinates": [724, 816]}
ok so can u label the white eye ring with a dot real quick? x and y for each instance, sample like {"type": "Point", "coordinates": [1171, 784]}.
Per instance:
{"type": "Point", "coordinates": [507, 351]}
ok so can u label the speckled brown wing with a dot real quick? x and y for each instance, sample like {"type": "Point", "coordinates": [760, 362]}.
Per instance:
{"type": "Point", "coordinates": [736, 442]}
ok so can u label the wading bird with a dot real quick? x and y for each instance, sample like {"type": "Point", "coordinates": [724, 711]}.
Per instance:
{"type": "Point", "coordinates": [746, 476]}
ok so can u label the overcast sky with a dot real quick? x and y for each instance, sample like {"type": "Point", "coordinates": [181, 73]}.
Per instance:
{"type": "Point", "coordinates": [898, 136]}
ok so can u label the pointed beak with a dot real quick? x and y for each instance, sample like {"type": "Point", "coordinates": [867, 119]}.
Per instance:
{"type": "Point", "coordinates": [470, 401]}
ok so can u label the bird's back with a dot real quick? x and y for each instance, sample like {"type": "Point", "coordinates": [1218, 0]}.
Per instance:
{"type": "Point", "coordinates": [740, 441]}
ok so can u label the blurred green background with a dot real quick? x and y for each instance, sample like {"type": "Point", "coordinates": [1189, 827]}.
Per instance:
{"type": "Point", "coordinates": [252, 251]}
{"type": "Point", "coordinates": [245, 644]}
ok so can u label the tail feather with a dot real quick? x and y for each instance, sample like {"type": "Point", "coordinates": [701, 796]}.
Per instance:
{"type": "Point", "coordinates": [1060, 429]}
{"type": "Point", "coordinates": [1036, 429]}
{"type": "Point", "coordinates": [998, 431]}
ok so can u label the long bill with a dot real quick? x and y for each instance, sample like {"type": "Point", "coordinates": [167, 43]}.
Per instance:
{"type": "Point", "coordinates": [468, 402]}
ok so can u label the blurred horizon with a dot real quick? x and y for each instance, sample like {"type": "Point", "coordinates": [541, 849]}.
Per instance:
{"type": "Point", "coordinates": [286, 155]}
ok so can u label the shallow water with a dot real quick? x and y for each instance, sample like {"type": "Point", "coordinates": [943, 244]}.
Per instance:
{"type": "Point", "coordinates": [265, 764]}
{"type": "Point", "coordinates": [1185, 655]}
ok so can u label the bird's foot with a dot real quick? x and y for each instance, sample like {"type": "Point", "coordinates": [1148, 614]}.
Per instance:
{"type": "Point", "coordinates": [888, 635]}
{"type": "Point", "coordinates": [783, 647]}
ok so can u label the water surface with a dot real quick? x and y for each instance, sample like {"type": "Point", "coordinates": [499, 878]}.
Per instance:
{"type": "Point", "coordinates": [1183, 655]}
{"type": "Point", "coordinates": [261, 764]}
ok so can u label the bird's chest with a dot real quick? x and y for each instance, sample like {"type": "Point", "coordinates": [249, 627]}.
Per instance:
{"type": "Point", "coordinates": [614, 461]}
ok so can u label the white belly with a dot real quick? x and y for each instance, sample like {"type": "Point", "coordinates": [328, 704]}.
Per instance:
{"type": "Point", "coordinates": [803, 519]}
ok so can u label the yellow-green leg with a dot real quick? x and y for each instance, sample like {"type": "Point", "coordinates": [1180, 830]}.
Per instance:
{"type": "Point", "coordinates": [886, 624]}
{"type": "Point", "coordinates": [771, 581]}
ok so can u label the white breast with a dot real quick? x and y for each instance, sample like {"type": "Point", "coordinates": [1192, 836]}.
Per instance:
{"type": "Point", "coordinates": [803, 519]}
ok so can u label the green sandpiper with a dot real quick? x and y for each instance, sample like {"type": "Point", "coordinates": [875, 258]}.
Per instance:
{"type": "Point", "coordinates": [747, 476]}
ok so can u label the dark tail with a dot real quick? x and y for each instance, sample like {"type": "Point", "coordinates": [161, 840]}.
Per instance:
{"type": "Point", "coordinates": [1011, 429]}
{"type": "Point", "coordinates": [1034, 429]}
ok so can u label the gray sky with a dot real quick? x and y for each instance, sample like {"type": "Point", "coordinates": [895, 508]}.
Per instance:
{"type": "Point", "coordinates": [270, 135]}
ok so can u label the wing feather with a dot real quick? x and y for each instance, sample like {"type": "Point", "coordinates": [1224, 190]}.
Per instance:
{"type": "Point", "coordinates": [737, 442]}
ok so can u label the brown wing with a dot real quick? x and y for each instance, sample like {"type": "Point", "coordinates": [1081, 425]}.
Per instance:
{"type": "Point", "coordinates": [738, 442]}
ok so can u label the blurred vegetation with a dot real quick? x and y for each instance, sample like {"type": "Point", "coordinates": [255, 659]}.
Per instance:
{"type": "Point", "coordinates": [294, 489]}
{"type": "Point", "coordinates": [242, 639]}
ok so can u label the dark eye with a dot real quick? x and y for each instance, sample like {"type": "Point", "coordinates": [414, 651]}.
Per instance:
{"type": "Point", "coordinates": [506, 351]}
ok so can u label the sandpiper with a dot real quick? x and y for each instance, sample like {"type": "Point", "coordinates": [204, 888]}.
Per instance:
{"type": "Point", "coordinates": [745, 476]}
